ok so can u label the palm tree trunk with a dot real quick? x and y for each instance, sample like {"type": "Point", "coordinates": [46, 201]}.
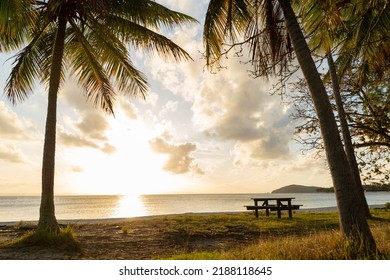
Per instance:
{"type": "Point", "coordinates": [353, 222]}
{"type": "Point", "coordinates": [47, 219]}
{"type": "Point", "coordinates": [348, 146]}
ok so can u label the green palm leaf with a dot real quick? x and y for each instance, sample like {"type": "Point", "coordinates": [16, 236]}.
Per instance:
{"type": "Point", "coordinates": [226, 20]}
{"type": "Point", "coordinates": [88, 37]}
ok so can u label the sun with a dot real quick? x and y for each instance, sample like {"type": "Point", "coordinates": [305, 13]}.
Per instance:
{"type": "Point", "coordinates": [132, 169]}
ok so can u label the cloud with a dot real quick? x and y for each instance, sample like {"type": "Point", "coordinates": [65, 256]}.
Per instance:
{"type": "Point", "coordinates": [75, 140]}
{"type": "Point", "coordinates": [195, 9]}
{"type": "Point", "coordinates": [180, 160]}
{"type": "Point", "coordinates": [258, 152]}
{"type": "Point", "coordinates": [93, 125]}
{"type": "Point", "coordinates": [78, 141]}
{"type": "Point", "coordinates": [183, 78]}
{"type": "Point", "coordinates": [108, 149]}
{"type": "Point", "coordinates": [11, 154]}
{"type": "Point", "coordinates": [229, 105]}
{"type": "Point", "coordinates": [14, 127]}
{"type": "Point", "coordinates": [308, 162]}
{"type": "Point", "coordinates": [170, 106]}
{"type": "Point", "coordinates": [77, 169]}
{"type": "Point", "coordinates": [129, 109]}
{"type": "Point", "coordinates": [72, 95]}
{"type": "Point", "coordinates": [232, 106]}
{"type": "Point", "coordinates": [90, 129]}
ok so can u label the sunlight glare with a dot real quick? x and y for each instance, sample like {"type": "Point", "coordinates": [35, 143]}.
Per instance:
{"type": "Point", "coordinates": [132, 169]}
{"type": "Point", "coordinates": [130, 206]}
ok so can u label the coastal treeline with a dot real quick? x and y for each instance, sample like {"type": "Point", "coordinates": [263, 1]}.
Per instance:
{"type": "Point", "coordinates": [367, 188]}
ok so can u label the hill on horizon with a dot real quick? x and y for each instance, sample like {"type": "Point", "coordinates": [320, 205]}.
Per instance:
{"type": "Point", "coordinates": [301, 189]}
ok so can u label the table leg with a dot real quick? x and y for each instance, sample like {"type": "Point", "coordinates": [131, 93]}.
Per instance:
{"type": "Point", "coordinates": [256, 210]}
{"type": "Point", "coordinates": [289, 209]}
{"type": "Point", "coordinates": [266, 210]}
{"type": "Point", "coordinates": [279, 205]}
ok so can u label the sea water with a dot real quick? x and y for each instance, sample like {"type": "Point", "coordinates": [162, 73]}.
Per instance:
{"type": "Point", "coordinates": [26, 208]}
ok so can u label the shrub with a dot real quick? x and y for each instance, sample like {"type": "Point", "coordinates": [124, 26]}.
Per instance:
{"type": "Point", "coordinates": [65, 239]}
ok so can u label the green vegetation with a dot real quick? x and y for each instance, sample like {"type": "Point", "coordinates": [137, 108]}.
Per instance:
{"type": "Point", "coordinates": [306, 236]}
{"type": "Point", "coordinates": [236, 236]}
{"type": "Point", "coordinates": [306, 189]}
{"type": "Point", "coordinates": [65, 240]}
{"type": "Point", "coordinates": [125, 230]}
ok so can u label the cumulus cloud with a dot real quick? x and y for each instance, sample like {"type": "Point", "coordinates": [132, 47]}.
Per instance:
{"type": "Point", "coordinates": [230, 106]}
{"type": "Point", "coordinates": [258, 152]}
{"type": "Point", "coordinates": [75, 140]}
{"type": "Point", "coordinates": [308, 162]}
{"type": "Point", "coordinates": [14, 127]}
{"type": "Point", "coordinates": [188, 7]}
{"type": "Point", "coordinates": [183, 78]}
{"type": "Point", "coordinates": [9, 153]}
{"type": "Point", "coordinates": [93, 125]}
{"type": "Point", "coordinates": [74, 97]}
{"type": "Point", "coordinates": [129, 109]}
{"type": "Point", "coordinates": [170, 106]}
{"type": "Point", "coordinates": [108, 149]}
{"type": "Point", "coordinates": [180, 160]}
{"type": "Point", "coordinates": [89, 132]}
{"type": "Point", "coordinates": [238, 108]}
{"type": "Point", "coordinates": [90, 129]}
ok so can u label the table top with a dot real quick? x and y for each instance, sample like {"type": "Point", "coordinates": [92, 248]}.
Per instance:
{"type": "Point", "coordinates": [272, 198]}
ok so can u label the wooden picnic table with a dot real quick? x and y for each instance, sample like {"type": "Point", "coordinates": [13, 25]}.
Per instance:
{"type": "Point", "coordinates": [278, 204]}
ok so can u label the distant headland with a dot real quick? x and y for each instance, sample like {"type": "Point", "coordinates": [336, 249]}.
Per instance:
{"type": "Point", "coordinates": [314, 189]}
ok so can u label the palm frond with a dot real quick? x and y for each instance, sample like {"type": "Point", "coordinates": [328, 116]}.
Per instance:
{"type": "Point", "coordinates": [270, 45]}
{"type": "Point", "coordinates": [94, 43]}
{"type": "Point", "coordinates": [90, 72]}
{"type": "Point", "coordinates": [149, 13]}
{"type": "Point", "coordinates": [368, 35]}
{"type": "Point", "coordinates": [115, 58]}
{"type": "Point", "coordinates": [226, 20]}
{"type": "Point", "coordinates": [146, 39]}
{"type": "Point", "coordinates": [17, 17]}
{"type": "Point", "coordinates": [28, 66]}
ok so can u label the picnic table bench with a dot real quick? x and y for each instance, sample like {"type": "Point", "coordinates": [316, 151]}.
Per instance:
{"type": "Point", "coordinates": [279, 204]}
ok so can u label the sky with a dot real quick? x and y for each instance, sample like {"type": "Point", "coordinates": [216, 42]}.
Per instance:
{"type": "Point", "coordinates": [196, 132]}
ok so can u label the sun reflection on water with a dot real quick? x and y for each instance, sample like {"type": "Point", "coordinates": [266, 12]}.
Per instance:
{"type": "Point", "coordinates": [130, 206]}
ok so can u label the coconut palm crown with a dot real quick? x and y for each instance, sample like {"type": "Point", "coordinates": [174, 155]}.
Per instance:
{"type": "Point", "coordinates": [90, 39]}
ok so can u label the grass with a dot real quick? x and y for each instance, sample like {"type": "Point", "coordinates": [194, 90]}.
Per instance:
{"type": "Point", "coordinates": [64, 240]}
{"type": "Point", "coordinates": [306, 236]}
{"type": "Point", "coordinates": [238, 236]}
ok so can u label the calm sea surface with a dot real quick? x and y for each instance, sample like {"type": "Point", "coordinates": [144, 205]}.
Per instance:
{"type": "Point", "coordinates": [26, 208]}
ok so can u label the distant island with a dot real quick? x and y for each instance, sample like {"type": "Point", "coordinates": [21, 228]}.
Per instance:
{"type": "Point", "coordinates": [314, 189]}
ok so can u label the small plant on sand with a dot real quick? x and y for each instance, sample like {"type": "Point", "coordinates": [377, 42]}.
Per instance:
{"type": "Point", "coordinates": [125, 230]}
{"type": "Point", "coordinates": [65, 239]}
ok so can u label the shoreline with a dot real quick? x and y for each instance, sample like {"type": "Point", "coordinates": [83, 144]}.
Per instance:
{"type": "Point", "coordinates": [124, 219]}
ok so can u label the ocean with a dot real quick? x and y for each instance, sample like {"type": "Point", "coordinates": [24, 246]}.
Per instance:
{"type": "Point", "coordinates": [26, 208]}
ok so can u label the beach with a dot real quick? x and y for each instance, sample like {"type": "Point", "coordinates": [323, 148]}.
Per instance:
{"type": "Point", "coordinates": [164, 236]}
{"type": "Point", "coordinates": [117, 239]}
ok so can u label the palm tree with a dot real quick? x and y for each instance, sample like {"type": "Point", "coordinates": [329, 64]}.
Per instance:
{"type": "Point", "coordinates": [367, 25]}
{"type": "Point", "coordinates": [280, 22]}
{"type": "Point", "coordinates": [87, 38]}
{"type": "Point", "coordinates": [324, 22]}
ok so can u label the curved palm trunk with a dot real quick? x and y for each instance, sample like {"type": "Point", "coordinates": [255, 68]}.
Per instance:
{"type": "Point", "coordinates": [47, 219]}
{"type": "Point", "coordinates": [348, 146]}
{"type": "Point", "coordinates": [353, 222]}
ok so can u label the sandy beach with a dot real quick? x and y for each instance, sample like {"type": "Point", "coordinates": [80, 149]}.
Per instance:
{"type": "Point", "coordinates": [131, 238]}
{"type": "Point", "coordinates": [150, 237]}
